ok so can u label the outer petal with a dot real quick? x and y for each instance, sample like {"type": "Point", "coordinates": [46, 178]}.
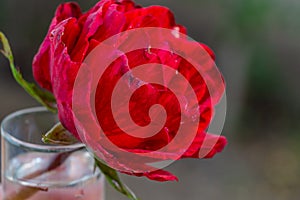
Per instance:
{"type": "Point", "coordinates": [205, 146]}
{"type": "Point", "coordinates": [159, 175]}
{"type": "Point", "coordinates": [153, 16]}
{"type": "Point", "coordinates": [67, 10]}
{"type": "Point", "coordinates": [63, 72]}
{"type": "Point", "coordinates": [43, 59]}
{"type": "Point", "coordinates": [106, 30]}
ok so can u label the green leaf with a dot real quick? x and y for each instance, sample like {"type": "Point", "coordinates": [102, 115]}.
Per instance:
{"type": "Point", "coordinates": [45, 98]}
{"type": "Point", "coordinates": [59, 135]}
{"type": "Point", "coordinates": [113, 178]}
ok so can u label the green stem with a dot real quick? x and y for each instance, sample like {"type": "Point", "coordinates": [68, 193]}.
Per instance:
{"type": "Point", "coordinates": [114, 180]}
{"type": "Point", "coordinates": [45, 98]}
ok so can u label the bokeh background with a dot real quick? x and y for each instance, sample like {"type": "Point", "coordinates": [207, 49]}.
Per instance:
{"type": "Point", "coordinates": [257, 43]}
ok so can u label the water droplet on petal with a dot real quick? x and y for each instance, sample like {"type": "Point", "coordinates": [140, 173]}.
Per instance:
{"type": "Point", "coordinates": [175, 32]}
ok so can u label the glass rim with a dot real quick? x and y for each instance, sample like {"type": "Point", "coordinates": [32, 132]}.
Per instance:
{"type": "Point", "coordinates": [38, 147]}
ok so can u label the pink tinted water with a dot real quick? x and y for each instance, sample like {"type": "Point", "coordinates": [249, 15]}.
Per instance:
{"type": "Point", "coordinates": [75, 179]}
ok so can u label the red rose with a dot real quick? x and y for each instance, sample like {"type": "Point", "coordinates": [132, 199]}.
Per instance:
{"type": "Point", "coordinates": [73, 35]}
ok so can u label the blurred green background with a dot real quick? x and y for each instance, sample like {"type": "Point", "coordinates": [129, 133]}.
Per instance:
{"type": "Point", "coordinates": [257, 43]}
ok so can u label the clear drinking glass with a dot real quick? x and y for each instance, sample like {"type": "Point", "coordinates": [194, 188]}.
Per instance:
{"type": "Point", "coordinates": [35, 171]}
